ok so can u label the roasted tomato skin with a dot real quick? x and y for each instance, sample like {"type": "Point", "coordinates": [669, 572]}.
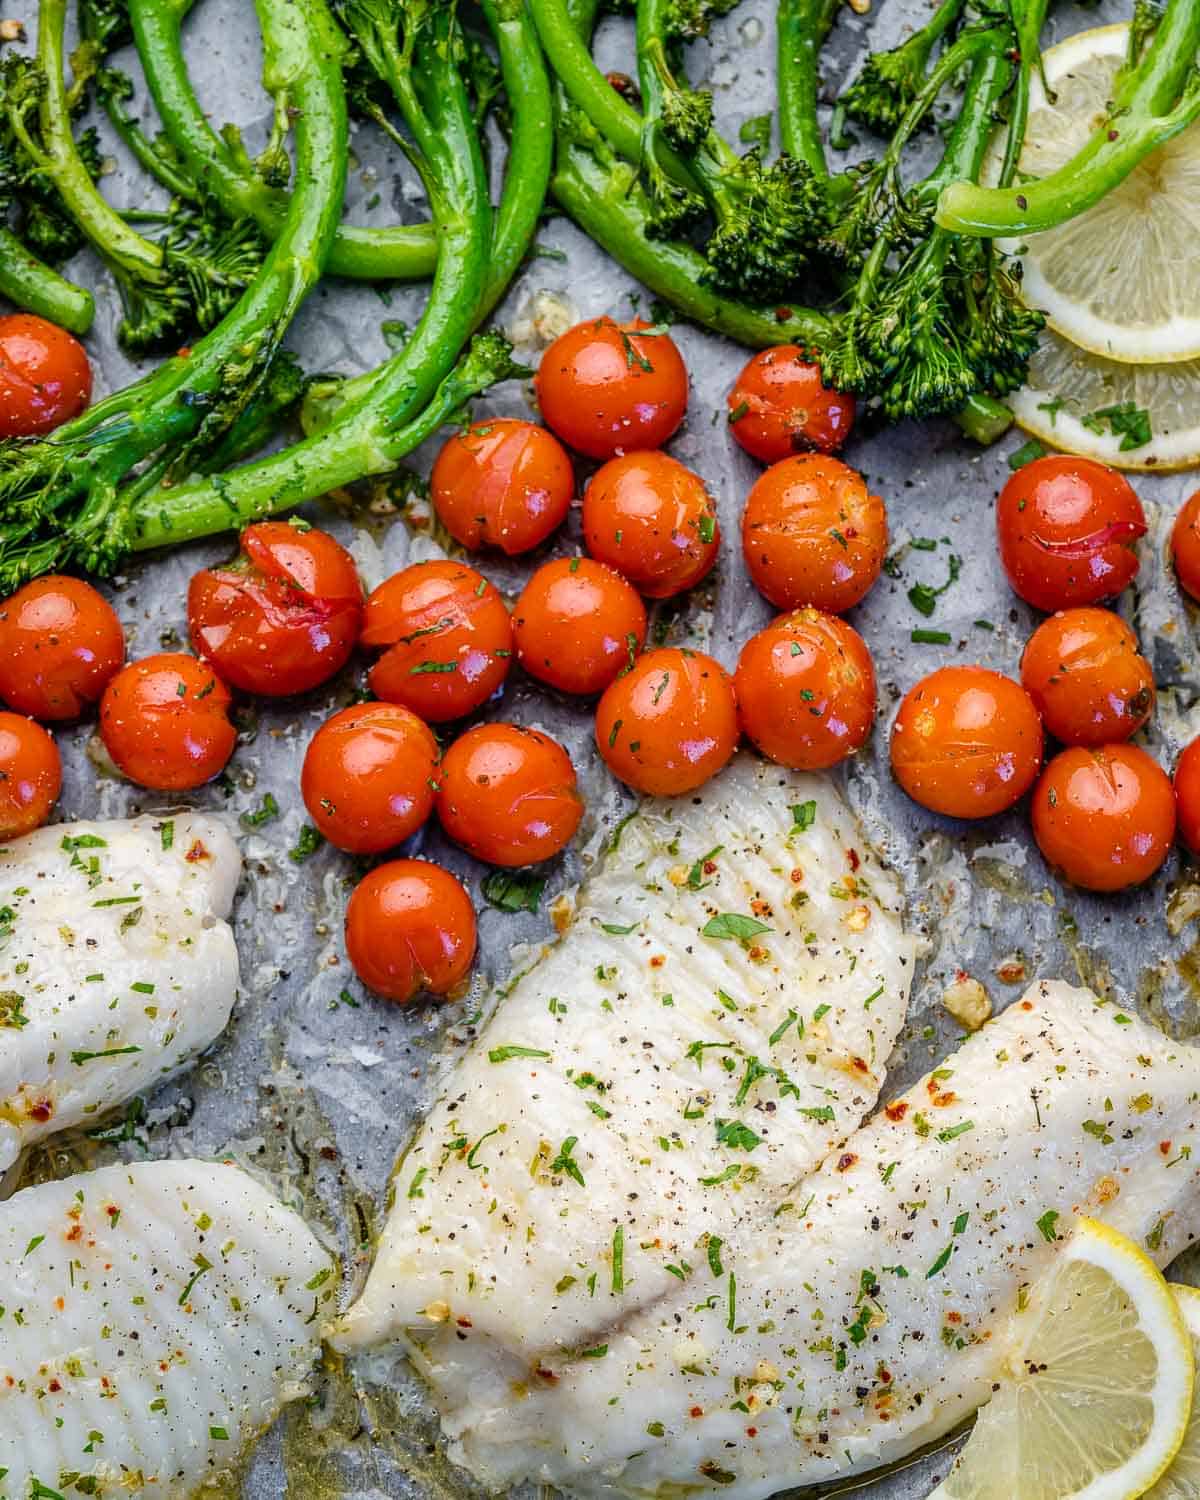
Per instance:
{"type": "Point", "coordinates": [410, 926]}
{"type": "Point", "coordinates": [1185, 545]}
{"type": "Point", "coordinates": [651, 519]}
{"type": "Point", "coordinates": [1104, 816]}
{"type": "Point", "coordinates": [967, 742]}
{"type": "Point", "coordinates": [60, 644]}
{"type": "Point", "coordinates": [508, 795]}
{"type": "Point", "coordinates": [779, 405]}
{"type": "Point", "coordinates": [30, 775]}
{"type": "Point", "coordinates": [448, 638]}
{"type": "Point", "coordinates": [606, 388]}
{"type": "Point", "coordinates": [165, 722]}
{"type": "Point", "coordinates": [577, 625]}
{"type": "Point", "coordinates": [369, 776]}
{"type": "Point", "coordinates": [1067, 529]}
{"type": "Point", "coordinates": [669, 724]}
{"type": "Point", "coordinates": [1087, 678]}
{"type": "Point", "coordinates": [805, 690]}
{"type": "Point", "coordinates": [1187, 795]}
{"type": "Point", "coordinates": [502, 483]}
{"type": "Point", "coordinates": [45, 377]}
{"type": "Point", "coordinates": [283, 616]}
{"type": "Point", "coordinates": [812, 534]}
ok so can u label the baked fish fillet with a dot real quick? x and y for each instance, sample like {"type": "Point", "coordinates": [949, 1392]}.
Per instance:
{"type": "Point", "coordinates": [156, 1318]}
{"type": "Point", "coordinates": [115, 964]}
{"type": "Point", "coordinates": [715, 1020]}
{"type": "Point", "coordinates": [872, 1318]}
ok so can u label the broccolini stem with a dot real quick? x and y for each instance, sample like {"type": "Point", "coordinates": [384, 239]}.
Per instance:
{"type": "Point", "coordinates": [801, 28]}
{"type": "Point", "coordinates": [1029, 17]}
{"type": "Point", "coordinates": [400, 253]}
{"type": "Point", "coordinates": [140, 148]}
{"type": "Point", "coordinates": [25, 281]}
{"type": "Point", "coordinates": [990, 76]}
{"type": "Point", "coordinates": [984, 419]}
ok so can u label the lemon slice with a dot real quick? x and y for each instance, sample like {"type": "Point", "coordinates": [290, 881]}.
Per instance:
{"type": "Point", "coordinates": [1182, 1479]}
{"type": "Point", "coordinates": [1095, 1396]}
{"type": "Point", "coordinates": [1123, 279]}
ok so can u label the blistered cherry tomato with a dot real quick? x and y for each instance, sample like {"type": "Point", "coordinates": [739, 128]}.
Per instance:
{"type": "Point", "coordinates": [652, 520]}
{"type": "Point", "coordinates": [283, 616]}
{"type": "Point", "coordinates": [449, 638]}
{"type": "Point", "coordinates": [967, 742]}
{"type": "Point", "coordinates": [779, 405]}
{"type": "Point", "coordinates": [1104, 816]}
{"type": "Point", "coordinates": [410, 926]}
{"type": "Point", "coordinates": [1067, 529]}
{"type": "Point", "coordinates": [45, 377]}
{"type": "Point", "coordinates": [813, 534]}
{"type": "Point", "coordinates": [577, 624]}
{"type": "Point", "coordinates": [1187, 795]}
{"type": "Point", "coordinates": [369, 777]}
{"type": "Point", "coordinates": [1185, 545]}
{"type": "Point", "coordinates": [670, 724]}
{"type": "Point", "coordinates": [60, 643]}
{"type": "Point", "coordinates": [805, 690]}
{"type": "Point", "coordinates": [608, 388]}
{"type": "Point", "coordinates": [508, 795]}
{"type": "Point", "coordinates": [164, 721]}
{"type": "Point", "coordinates": [1089, 682]}
{"type": "Point", "coordinates": [502, 483]}
{"type": "Point", "coordinates": [30, 775]}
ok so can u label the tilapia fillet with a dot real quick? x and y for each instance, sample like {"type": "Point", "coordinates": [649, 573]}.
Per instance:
{"type": "Point", "coordinates": [715, 1020]}
{"type": "Point", "coordinates": [874, 1316]}
{"type": "Point", "coordinates": [155, 1319]}
{"type": "Point", "coordinates": [116, 965]}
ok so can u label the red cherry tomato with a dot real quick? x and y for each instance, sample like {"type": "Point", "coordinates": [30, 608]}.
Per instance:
{"type": "Point", "coordinates": [812, 534]}
{"type": "Point", "coordinates": [779, 405]}
{"type": "Point", "coordinates": [508, 795]}
{"type": "Point", "coordinates": [45, 377]}
{"type": "Point", "coordinates": [1187, 795]}
{"type": "Point", "coordinates": [450, 640]}
{"type": "Point", "coordinates": [369, 777]}
{"type": "Point", "coordinates": [410, 926]}
{"type": "Point", "coordinates": [60, 643]}
{"type": "Point", "coordinates": [967, 742]}
{"type": "Point", "coordinates": [1089, 682]}
{"type": "Point", "coordinates": [577, 624]}
{"type": "Point", "coordinates": [164, 721]}
{"type": "Point", "coordinates": [502, 483]}
{"type": "Point", "coordinates": [1067, 529]}
{"type": "Point", "coordinates": [1185, 545]}
{"type": "Point", "coordinates": [652, 520]}
{"type": "Point", "coordinates": [30, 775]}
{"type": "Point", "coordinates": [283, 616]}
{"type": "Point", "coordinates": [1104, 816]}
{"type": "Point", "coordinates": [607, 388]}
{"type": "Point", "coordinates": [669, 724]}
{"type": "Point", "coordinates": [805, 690]}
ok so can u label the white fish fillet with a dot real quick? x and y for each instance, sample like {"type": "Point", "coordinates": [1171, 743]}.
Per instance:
{"type": "Point", "coordinates": [873, 1319]}
{"type": "Point", "coordinates": [115, 964]}
{"type": "Point", "coordinates": [156, 1318]}
{"type": "Point", "coordinates": [679, 1083]}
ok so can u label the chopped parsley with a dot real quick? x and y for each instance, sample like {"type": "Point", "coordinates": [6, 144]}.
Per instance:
{"type": "Point", "coordinates": [308, 841]}
{"type": "Point", "coordinates": [513, 890]}
{"type": "Point", "coordinates": [736, 1136]}
{"type": "Point", "coordinates": [731, 924]}
{"type": "Point", "coordinates": [503, 1054]}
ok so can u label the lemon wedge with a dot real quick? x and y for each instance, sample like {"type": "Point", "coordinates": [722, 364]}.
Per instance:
{"type": "Point", "coordinates": [1095, 1397]}
{"type": "Point", "coordinates": [1123, 279]}
{"type": "Point", "coordinates": [1182, 1479]}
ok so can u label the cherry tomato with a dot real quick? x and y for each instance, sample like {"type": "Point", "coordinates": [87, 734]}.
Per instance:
{"type": "Point", "coordinates": [283, 616]}
{"type": "Point", "coordinates": [1104, 816]}
{"type": "Point", "coordinates": [1089, 682]}
{"type": "Point", "coordinates": [1185, 545]}
{"type": "Point", "coordinates": [369, 777]}
{"type": "Point", "coordinates": [652, 520]}
{"type": "Point", "coordinates": [45, 377]}
{"type": "Point", "coordinates": [577, 624]}
{"type": "Point", "coordinates": [508, 795]}
{"type": "Point", "coordinates": [164, 721]}
{"type": "Point", "coordinates": [669, 724]}
{"type": "Point", "coordinates": [812, 534]}
{"type": "Point", "coordinates": [410, 926]}
{"type": "Point", "coordinates": [1067, 529]}
{"type": "Point", "coordinates": [806, 690]}
{"type": "Point", "coordinates": [60, 643]}
{"type": "Point", "coordinates": [607, 388]}
{"type": "Point", "coordinates": [450, 640]}
{"type": "Point", "coordinates": [779, 405]}
{"type": "Point", "coordinates": [30, 775]}
{"type": "Point", "coordinates": [967, 742]}
{"type": "Point", "coordinates": [502, 483]}
{"type": "Point", "coordinates": [1187, 795]}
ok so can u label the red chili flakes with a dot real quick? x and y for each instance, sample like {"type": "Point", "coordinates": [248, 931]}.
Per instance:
{"type": "Point", "coordinates": [658, 960]}
{"type": "Point", "coordinates": [852, 859]}
{"type": "Point", "coordinates": [896, 1110]}
{"type": "Point", "coordinates": [197, 852]}
{"type": "Point", "coordinates": [751, 1431]}
{"type": "Point", "coordinates": [696, 1411]}
{"type": "Point", "coordinates": [846, 1161]}
{"type": "Point", "coordinates": [1165, 1147]}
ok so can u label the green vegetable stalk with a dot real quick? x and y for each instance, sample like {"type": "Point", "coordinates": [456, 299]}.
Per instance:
{"type": "Point", "coordinates": [32, 285]}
